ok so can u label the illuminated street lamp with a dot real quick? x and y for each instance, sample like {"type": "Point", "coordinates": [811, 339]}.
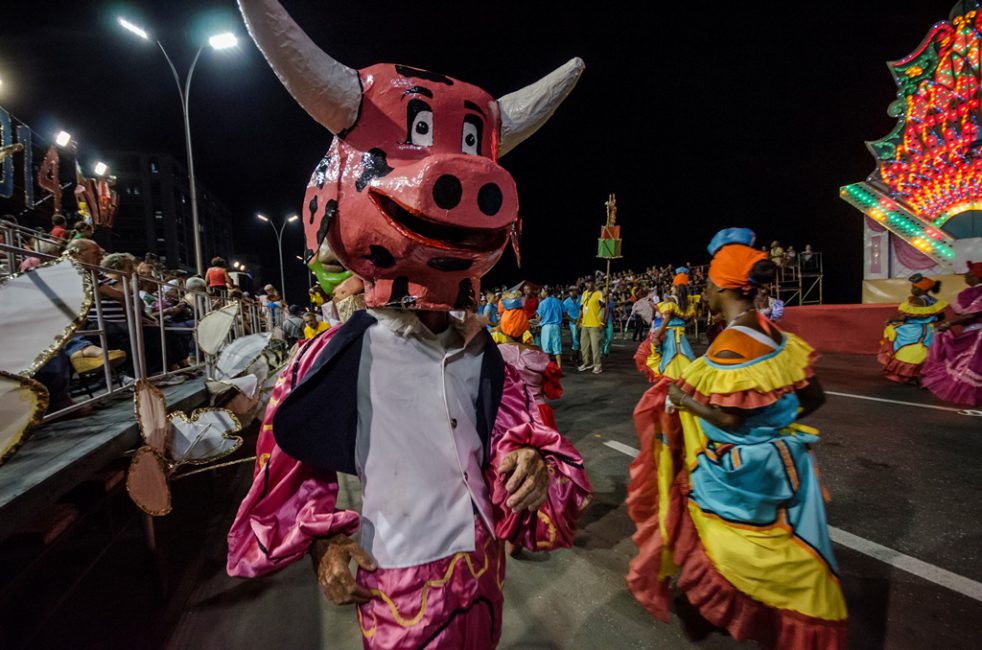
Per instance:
{"type": "Point", "coordinates": [63, 139]}
{"type": "Point", "coordinates": [100, 168]}
{"type": "Point", "coordinates": [279, 245]}
{"type": "Point", "coordinates": [221, 41]}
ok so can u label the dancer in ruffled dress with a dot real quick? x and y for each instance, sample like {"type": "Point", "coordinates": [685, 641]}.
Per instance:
{"type": "Point", "coordinates": [953, 369]}
{"type": "Point", "coordinates": [908, 335]}
{"type": "Point", "coordinates": [725, 492]}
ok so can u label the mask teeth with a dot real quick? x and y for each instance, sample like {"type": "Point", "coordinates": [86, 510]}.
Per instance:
{"type": "Point", "coordinates": [406, 302]}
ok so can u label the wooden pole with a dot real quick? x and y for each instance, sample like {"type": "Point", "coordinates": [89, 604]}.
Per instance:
{"type": "Point", "coordinates": [607, 288]}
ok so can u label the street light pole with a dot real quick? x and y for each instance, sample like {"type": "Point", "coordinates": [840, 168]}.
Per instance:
{"type": "Point", "coordinates": [184, 92]}
{"type": "Point", "coordinates": [279, 246]}
{"type": "Point", "coordinates": [217, 42]}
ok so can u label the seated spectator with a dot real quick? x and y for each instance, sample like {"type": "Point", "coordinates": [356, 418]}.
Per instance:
{"type": "Point", "coordinates": [777, 253]}
{"type": "Point", "coordinates": [82, 230]}
{"type": "Point", "coordinates": [809, 259]}
{"type": "Point", "coordinates": [293, 325]}
{"type": "Point", "coordinates": [58, 223]}
{"type": "Point", "coordinates": [313, 326]}
{"type": "Point", "coordinates": [29, 262]}
{"type": "Point", "coordinates": [114, 314]}
{"type": "Point", "coordinates": [273, 305]}
{"type": "Point", "coordinates": [85, 358]}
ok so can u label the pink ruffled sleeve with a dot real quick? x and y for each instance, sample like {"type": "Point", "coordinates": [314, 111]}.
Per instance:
{"type": "Point", "coordinates": [289, 504]}
{"type": "Point", "coordinates": [519, 425]}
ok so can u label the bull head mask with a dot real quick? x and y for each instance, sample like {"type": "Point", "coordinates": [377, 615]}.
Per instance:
{"type": "Point", "coordinates": [410, 196]}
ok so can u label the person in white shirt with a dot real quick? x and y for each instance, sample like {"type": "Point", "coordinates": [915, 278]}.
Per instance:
{"type": "Point", "coordinates": [452, 458]}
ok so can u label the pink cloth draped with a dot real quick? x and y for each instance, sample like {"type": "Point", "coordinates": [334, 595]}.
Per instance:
{"type": "Point", "coordinates": [454, 602]}
{"type": "Point", "coordinates": [519, 425]}
{"type": "Point", "coordinates": [289, 504]}
{"type": "Point", "coordinates": [531, 365]}
{"type": "Point", "coordinates": [909, 256]}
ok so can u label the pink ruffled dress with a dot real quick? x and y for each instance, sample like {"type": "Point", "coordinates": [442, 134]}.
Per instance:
{"type": "Point", "coordinates": [953, 369]}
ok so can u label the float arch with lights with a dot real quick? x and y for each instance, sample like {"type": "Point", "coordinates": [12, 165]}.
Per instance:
{"type": "Point", "coordinates": [923, 201]}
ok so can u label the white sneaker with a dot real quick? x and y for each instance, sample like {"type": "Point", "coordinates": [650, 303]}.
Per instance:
{"type": "Point", "coordinates": [598, 370]}
{"type": "Point", "coordinates": [584, 367]}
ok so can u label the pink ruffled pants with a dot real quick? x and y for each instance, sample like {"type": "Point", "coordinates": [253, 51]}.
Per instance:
{"type": "Point", "coordinates": [450, 604]}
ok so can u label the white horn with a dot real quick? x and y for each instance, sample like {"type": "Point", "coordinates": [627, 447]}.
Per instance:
{"type": "Point", "coordinates": [328, 90]}
{"type": "Point", "coordinates": [524, 111]}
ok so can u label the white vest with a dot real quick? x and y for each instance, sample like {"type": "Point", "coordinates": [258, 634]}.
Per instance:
{"type": "Point", "coordinates": [417, 452]}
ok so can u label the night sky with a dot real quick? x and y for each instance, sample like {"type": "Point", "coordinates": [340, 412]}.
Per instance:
{"type": "Point", "coordinates": [698, 117]}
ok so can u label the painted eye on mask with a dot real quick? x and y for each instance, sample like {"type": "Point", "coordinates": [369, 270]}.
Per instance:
{"type": "Point", "coordinates": [420, 118]}
{"type": "Point", "coordinates": [470, 140]}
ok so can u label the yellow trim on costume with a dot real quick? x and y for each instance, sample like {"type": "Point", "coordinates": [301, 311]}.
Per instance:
{"type": "Point", "coordinates": [767, 563]}
{"type": "Point", "coordinates": [771, 566]}
{"type": "Point", "coordinates": [784, 369]}
{"type": "Point", "coordinates": [669, 307]}
{"type": "Point", "coordinates": [548, 543]}
{"type": "Point", "coordinates": [930, 310]}
{"type": "Point", "coordinates": [440, 582]}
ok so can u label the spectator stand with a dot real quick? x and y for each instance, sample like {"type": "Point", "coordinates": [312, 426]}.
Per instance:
{"type": "Point", "coordinates": [800, 281]}
{"type": "Point", "coordinates": [40, 482]}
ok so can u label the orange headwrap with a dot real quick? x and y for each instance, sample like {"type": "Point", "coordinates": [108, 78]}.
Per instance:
{"type": "Point", "coordinates": [925, 284]}
{"type": "Point", "coordinates": [514, 323]}
{"type": "Point", "coordinates": [730, 268]}
{"type": "Point", "coordinates": [680, 278]}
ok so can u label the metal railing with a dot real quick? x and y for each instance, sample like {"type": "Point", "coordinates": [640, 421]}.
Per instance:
{"type": "Point", "coordinates": [801, 280]}
{"type": "Point", "coordinates": [142, 318]}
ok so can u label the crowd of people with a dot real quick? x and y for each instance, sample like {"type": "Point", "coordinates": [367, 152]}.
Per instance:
{"type": "Point", "coordinates": [170, 302]}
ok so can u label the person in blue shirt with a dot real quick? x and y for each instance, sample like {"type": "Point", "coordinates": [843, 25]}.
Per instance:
{"type": "Point", "coordinates": [550, 312]}
{"type": "Point", "coordinates": [488, 310]}
{"type": "Point", "coordinates": [571, 307]}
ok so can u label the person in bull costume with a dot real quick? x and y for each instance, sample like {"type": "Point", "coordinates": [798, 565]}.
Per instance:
{"type": "Point", "coordinates": [452, 454]}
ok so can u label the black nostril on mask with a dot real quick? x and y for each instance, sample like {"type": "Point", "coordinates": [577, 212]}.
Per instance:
{"type": "Point", "coordinates": [489, 199]}
{"type": "Point", "coordinates": [447, 192]}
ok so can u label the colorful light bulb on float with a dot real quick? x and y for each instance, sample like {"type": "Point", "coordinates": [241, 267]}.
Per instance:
{"type": "Point", "coordinates": [929, 168]}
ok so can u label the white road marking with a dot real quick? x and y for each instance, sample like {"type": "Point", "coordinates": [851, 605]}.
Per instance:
{"type": "Point", "coordinates": [896, 559]}
{"type": "Point", "coordinates": [621, 447]}
{"type": "Point", "coordinates": [928, 572]}
{"type": "Point", "coordinates": [896, 401]}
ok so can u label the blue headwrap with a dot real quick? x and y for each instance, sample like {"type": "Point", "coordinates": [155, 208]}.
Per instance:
{"type": "Point", "coordinates": [726, 236]}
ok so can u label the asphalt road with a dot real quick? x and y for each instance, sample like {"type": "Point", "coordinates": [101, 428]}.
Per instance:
{"type": "Point", "coordinates": [906, 492]}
